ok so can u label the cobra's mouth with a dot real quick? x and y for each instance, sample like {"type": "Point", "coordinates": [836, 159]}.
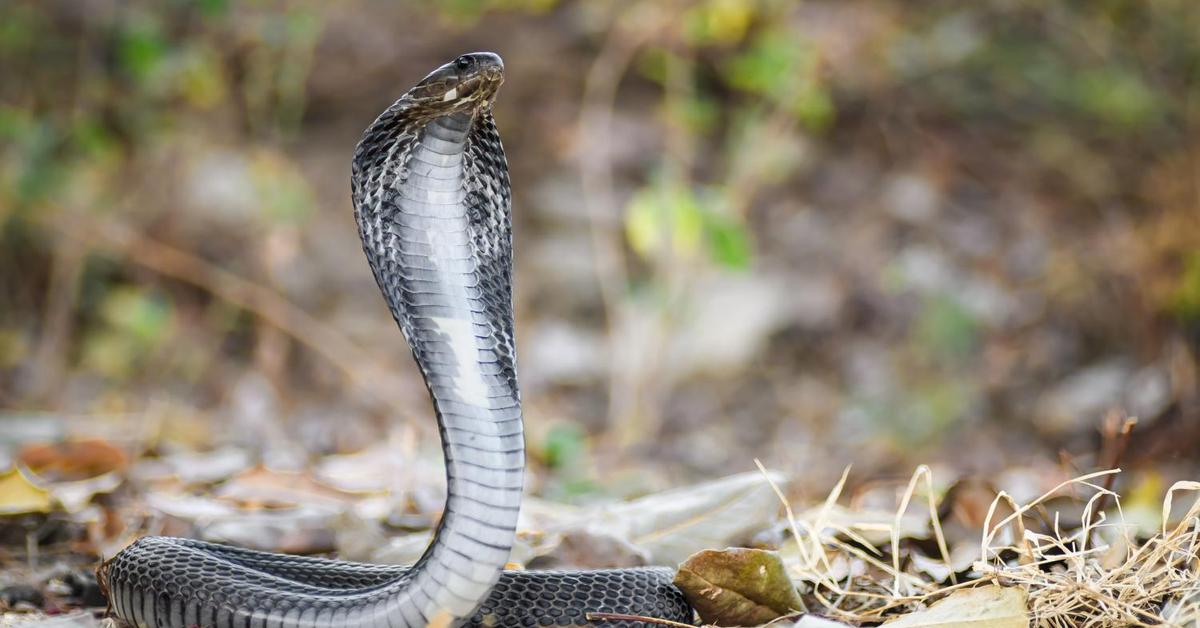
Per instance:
{"type": "Point", "coordinates": [478, 88]}
{"type": "Point", "coordinates": [468, 82]}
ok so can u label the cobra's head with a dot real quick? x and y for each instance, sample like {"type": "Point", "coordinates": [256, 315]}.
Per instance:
{"type": "Point", "coordinates": [468, 82]}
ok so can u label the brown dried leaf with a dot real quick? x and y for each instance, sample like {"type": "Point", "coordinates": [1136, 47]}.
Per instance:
{"type": "Point", "coordinates": [871, 525]}
{"type": "Point", "coordinates": [738, 587]}
{"type": "Point", "coordinates": [260, 487]}
{"type": "Point", "coordinates": [73, 460]}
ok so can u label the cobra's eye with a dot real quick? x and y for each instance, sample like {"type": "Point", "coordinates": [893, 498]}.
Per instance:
{"type": "Point", "coordinates": [463, 62]}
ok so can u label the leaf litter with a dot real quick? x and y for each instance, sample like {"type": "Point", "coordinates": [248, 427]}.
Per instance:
{"type": "Point", "coordinates": [967, 555]}
{"type": "Point", "coordinates": [1096, 571]}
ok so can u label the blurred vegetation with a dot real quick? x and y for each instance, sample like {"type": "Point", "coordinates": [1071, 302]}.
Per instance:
{"type": "Point", "coordinates": [996, 196]}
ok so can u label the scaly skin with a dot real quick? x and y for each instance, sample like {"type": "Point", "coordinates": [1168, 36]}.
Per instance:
{"type": "Point", "coordinates": [432, 200]}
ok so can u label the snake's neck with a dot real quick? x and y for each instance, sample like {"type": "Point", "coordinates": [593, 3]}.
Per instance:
{"type": "Point", "coordinates": [433, 283]}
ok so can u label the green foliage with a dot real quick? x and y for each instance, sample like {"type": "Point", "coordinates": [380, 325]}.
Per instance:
{"type": "Point", "coordinates": [782, 67]}
{"type": "Point", "coordinates": [92, 139]}
{"type": "Point", "coordinates": [36, 169]}
{"type": "Point", "coordinates": [664, 216]}
{"type": "Point", "coordinates": [946, 329]}
{"type": "Point", "coordinates": [668, 217]}
{"type": "Point", "coordinates": [141, 47]}
{"type": "Point", "coordinates": [1114, 96]}
{"type": "Point", "coordinates": [14, 348]}
{"type": "Point", "coordinates": [1087, 66]}
{"type": "Point", "coordinates": [19, 27]}
{"type": "Point", "coordinates": [719, 22]}
{"type": "Point", "coordinates": [135, 323]}
{"type": "Point", "coordinates": [565, 451]}
{"type": "Point", "coordinates": [213, 8]}
{"type": "Point", "coordinates": [1186, 300]}
{"type": "Point", "coordinates": [470, 11]}
{"type": "Point", "coordinates": [565, 445]}
{"type": "Point", "coordinates": [201, 78]}
{"type": "Point", "coordinates": [696, 113]}
{"type": "Point", "coordinates": [728, 241]}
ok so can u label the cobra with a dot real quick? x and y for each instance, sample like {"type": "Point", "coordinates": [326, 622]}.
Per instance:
{"type": "Point", "coordinates": [432, 200]}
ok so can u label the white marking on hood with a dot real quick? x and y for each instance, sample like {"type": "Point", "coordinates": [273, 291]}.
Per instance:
{"type": "Point", "coordinates": [469, 383]}
{"type": "Point", "coordinates": [450, 95]}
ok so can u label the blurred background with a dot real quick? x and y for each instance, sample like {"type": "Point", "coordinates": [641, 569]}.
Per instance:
{"type": "Point", "coordinates": [816, 233]}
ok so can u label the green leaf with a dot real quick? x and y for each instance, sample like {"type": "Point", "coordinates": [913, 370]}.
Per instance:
{"type": "Point", "coordinates": [92, 138]}
{"type": "Point", "coordinates": [131, 310]}
{"type": "Point", "coordinates": [42, 173]}
{"type": "Point", "coordinates": [771, 62]}
{"type": "Point", "coordinates": [201, 78]}
{"type": "Point", "coordinates": [688, 220]}
{"type": "Point", "coordinates": [141, 48]}
{"type": "Point", "coordinates": [728, 242]}
{"type": "Point", "coordinates": [213, 8]}
{"type": "Point", "coordinates": [565, 445]}
{"type": "Point", "coordinates": [664, 215]}
{"type": "Point", "coordinates": [1114, 96]}
{"type": "Point", "coordinates": [718, 21]}
{"type": "Point", "coordinates": [1185, 300]}
{"type": "Point", "coordinates": [947, 328]}
{"type": "Point", "coordinates": [784, 69]}
{"type": "Point", "coordinates": [20, 26]}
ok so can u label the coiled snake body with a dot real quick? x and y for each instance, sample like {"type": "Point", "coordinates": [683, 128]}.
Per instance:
{"type": "Point", "coordinates": [432, 200]}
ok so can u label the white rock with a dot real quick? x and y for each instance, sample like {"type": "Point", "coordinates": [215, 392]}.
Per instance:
{"type": "Point", "coordinates": [1148, 392]}
{"type": "Point", "coordinates": [1083, 397]}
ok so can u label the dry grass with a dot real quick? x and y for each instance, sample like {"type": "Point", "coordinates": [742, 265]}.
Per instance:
{"type": "Point", "coordinates": [1097, 571]}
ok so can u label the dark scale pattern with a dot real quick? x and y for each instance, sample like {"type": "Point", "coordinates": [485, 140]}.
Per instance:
{"type": "Point", "coordinates": [433, 204]}
{"type": "Point", "coordinates": [563, 598]}
{"type": "Point", "coordinates": [488, 187]}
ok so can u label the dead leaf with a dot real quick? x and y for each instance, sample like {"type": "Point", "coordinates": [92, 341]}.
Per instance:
{"type": "Point", "coordinates": [992, 606]}
{"type": "Point", "coordinates": [208, 466]}
{"type": "Point", "coordinates": [871, 525]}
{"type": "Point", "coordinates": [962, 556]}
{"type": "Point", "coordinates": [589, 549]}
{"type": "Point", "coordinates": [260, 487]}
{"type": "Point", "coordinates": [672, 525]}
{"type": "Point", "coordinates": [738, 586]}
{"type": "Point", "coordinates": [812, 621]}
{"type": "Point", "coordinates": [19, 496]}
{"type": "Point", "coordinates": [73, 460]}
{"type": "Point", "coordinates": [78, 619]}
{"type": "Point", "coordinates": [302, 529]}
{"type": "Point", "coordinates": [305, 529]}
{"type": "Point", "coordinates": [76, 496]}
{"type": "Point", "coordinates": [658, 529]}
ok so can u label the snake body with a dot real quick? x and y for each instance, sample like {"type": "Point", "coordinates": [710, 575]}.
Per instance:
{"type": "Point", "coordinates": [432, 200]}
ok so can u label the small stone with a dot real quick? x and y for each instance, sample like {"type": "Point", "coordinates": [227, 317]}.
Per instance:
{"type": "Point", "coordinates": [84, 588]}
{"type": "Point", "coordinates": [1148, 393]}
{"type": "Point", "coordinates": [21, 594]}
{"type": "Point", "coordinates": [910, 198]}
{"type": "Point", "coordinates": [1083, 397]}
